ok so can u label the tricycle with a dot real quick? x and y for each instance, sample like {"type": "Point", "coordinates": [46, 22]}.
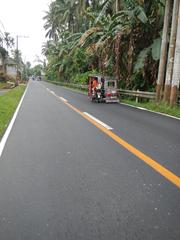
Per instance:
{"type": "Point", "coordinates": [102, 89]}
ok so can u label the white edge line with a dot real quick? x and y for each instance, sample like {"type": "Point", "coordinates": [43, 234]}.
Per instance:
{"type": "Point", "coordinates": [8, 130]}
{"type": "Point", "coordinates": [141, 108]}
{"type": "Point", "coordinates": [145, 109]}
{"type": "Point", "coordinates": [98, 121]}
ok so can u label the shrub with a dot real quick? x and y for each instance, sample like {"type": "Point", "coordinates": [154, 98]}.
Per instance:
{"type": "Point", "coordinates": [5, 77]}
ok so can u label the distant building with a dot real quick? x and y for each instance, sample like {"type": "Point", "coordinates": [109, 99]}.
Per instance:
{"type": "Point", "coordinates": [11, 67]}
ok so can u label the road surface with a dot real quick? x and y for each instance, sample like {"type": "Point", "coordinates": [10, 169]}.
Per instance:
{"type": "Point", "coordinates": [63, 176]}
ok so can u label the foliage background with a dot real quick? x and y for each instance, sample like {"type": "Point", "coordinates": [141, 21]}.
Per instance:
{"type": "Point", "coordinates": [120, 38]}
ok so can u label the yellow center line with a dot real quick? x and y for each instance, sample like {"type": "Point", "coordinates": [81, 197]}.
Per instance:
{"type": "Point", "coordinates": [149, 161]}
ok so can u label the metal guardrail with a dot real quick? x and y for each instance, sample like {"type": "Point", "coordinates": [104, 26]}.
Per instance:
{"type": "Point", "coordinates": [149, 95]}
{"type": "Point", "coordinates": [137, 94]}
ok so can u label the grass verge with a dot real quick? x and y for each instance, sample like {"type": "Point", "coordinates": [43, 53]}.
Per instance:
{"type": "Point", "coordinates": [161, 107]}
{"type": "Point", "coordinates": [8, 104]}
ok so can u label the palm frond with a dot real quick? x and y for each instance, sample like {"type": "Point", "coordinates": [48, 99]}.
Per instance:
{"type": "Point", "coordinates": [88, 33]}
{"type": "Point", "coordinates": [104, 6]}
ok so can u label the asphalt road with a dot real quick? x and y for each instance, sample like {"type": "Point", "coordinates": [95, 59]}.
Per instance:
{"type": "Point", "coordinates": [62, 178]}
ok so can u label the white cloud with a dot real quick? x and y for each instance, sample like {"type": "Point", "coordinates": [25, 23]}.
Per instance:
{"type": "Point", "coordinates": [24, 18]}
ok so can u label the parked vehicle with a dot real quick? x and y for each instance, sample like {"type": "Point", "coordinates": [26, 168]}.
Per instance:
{"type": "Point", "coordinates": [38, 78]}
{"type": "Point", "coordinates": [102, 89]}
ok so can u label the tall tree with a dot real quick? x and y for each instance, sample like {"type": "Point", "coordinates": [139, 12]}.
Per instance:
{"type": "Point", "coordinates": [176, 69]}
{"type": "Point", "coordinates": [112, 32]}
{"type": "Point", "coordinates": [9, 41]}
{"type": "Point", "coordinates": [163, 57]}
{"type": "Point", "coordinates": [17, 56]}
{"type": "Point", "coordinates": [172, 44]}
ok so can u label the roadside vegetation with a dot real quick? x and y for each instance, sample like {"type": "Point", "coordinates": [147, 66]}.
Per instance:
{"type": "Point", "coordinates": [2, 85]}
{"type": "Point", "coordinates": [116, 38]}
{"type": "Point", "coordinates": [8, 104]}
{"type": "Point", "coordinates": [156, 107]}
{"type": "Point", "coordinates": [120, 38]}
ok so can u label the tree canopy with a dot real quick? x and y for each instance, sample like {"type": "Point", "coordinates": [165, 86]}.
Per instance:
{"type": "Point", "coordinates": [115, 37]}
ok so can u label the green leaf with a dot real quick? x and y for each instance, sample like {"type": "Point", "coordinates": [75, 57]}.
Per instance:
{"type": "Point", "coordinates": [141, 59]}
{"type": "Point", "coordinates": [140, 14]}
{"type": "Point", "coordinates": [156, 49]}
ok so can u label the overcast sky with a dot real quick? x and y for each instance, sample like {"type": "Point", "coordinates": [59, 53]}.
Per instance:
{"type": "Point", "coordinates": [24, 17]}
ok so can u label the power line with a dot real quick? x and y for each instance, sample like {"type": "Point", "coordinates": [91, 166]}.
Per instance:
{"type": "Point", "coordinates": [2, 25]}
{"type": "Point", "coordinates": [1, 33]}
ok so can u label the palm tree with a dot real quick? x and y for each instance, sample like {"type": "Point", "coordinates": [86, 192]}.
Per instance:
{"type": "Point", "coordinates": [176, 69]}
{"type": "Point", "coordinates": [17, 56]}
{"type": "Point", "coordinates": [108, 31]}
{"type": "Point", "coordinates": [163, 57]}
{"type": "Point", "coordinates": [112, 32]}
{"type": "Point", "coordinates": [9, 41]}
{"type": "Point", "coordinates": [52, 22]}
{"type": "Point", "coordinates": [169, 69]}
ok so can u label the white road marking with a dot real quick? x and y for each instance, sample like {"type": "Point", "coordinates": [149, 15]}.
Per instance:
{"type": "Point", "coordinates": [8, 130]}
{"type": "Point", "coordinates": [145, 109]}
{"type": "Point", "coordinates": [141, 108]}
{"type": "Point", "coordinates": [98, 121]}
{"type": "Point", "coordinates": [63, 99]}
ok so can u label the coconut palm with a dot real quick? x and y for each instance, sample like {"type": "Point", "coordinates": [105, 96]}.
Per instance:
{"type": "Point", "coordinates": [17, 56]}
{"type": "Point", "coordinates": [52, 21]}
{"type": "Point", "coordinates": [9, 41]}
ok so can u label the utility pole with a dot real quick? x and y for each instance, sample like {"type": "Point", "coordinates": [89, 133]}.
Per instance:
{"type": "Point", "coordinates": [18, 58]}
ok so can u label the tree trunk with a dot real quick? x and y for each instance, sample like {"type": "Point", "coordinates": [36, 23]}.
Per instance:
{"type": "Point", "coordinates": [169, 70]}
{"type": "Point", "coordinates": [117, 6]}
{"type": "Point", "coordinates": [130, 60]}
{"type": "Point", "coordinates": [163, 57]}
{"type": "Point", "coordinates": [4, 65]}
{"type": "Point", "coordinates": [17, 79]}
{"type": "Point", "coordinates": [117, 55]}
{"type": "Point", "coordinates": [176, 69]}
{"type": "Point", "coordinates": [117, 47]}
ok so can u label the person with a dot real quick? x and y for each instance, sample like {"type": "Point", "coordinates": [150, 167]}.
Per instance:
{"type": "Point", "coordinates": [94, 85]}
{"type": "Point", "coordinates": [99, 86]}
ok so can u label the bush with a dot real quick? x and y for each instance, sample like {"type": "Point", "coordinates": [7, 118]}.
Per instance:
{"type": "Point", "coordinates": [82, 78]}
{"type": "Point", "coordinates": [5, 77]}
